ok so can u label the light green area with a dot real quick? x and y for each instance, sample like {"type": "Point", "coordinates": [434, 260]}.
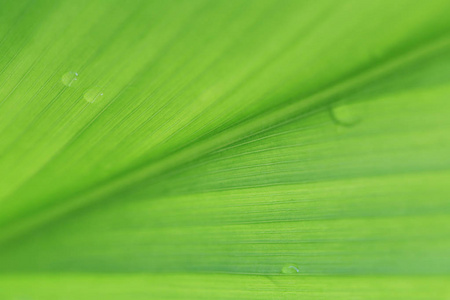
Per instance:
{"type": "Point", "coordinates": [224, 149]}
{"type": "Point", "coordinates": [213, 286]}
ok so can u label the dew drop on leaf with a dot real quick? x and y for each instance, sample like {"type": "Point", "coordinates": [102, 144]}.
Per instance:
{"type": "Point", "coordinates": [345, 115]}
{"type": "Point", "coordinates": [290, 269]}
{"type": "Point", "coordinates": [93, 95]}
{"type": "Point", "coordinates": [69, 78]}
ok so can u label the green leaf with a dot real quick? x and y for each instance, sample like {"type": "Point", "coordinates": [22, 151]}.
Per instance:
{"type": "Point", "coordinates": [224, 149]}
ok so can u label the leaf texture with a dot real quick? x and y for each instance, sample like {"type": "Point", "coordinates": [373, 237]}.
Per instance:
{"type": "Point", "coordinates": [224, 149]}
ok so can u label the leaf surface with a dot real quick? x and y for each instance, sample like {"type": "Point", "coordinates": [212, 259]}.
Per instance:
{"type": "Point", "coordinates": [224, 149]}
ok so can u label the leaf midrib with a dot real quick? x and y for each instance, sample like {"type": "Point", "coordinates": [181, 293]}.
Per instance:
{"type": "Point", "coordinates": [264, 121]}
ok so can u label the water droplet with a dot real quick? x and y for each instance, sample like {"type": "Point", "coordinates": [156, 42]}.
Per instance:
{"type": "Point", "coordinates": [93, 95]}
{"type": "Point", "coordinates": [290, 269]}
{"type": "Point", "coordinates": [69, 78]}
{"type": "Point", "coordinates": [345, 115]}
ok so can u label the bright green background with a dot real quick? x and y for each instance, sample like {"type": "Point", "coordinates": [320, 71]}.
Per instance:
{"type": "Point", "coordinates": [232, 139]}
